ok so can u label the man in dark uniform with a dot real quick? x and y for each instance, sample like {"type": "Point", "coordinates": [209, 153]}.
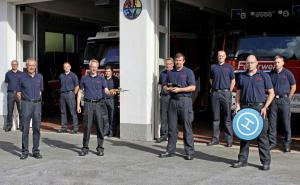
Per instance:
{"type": "Point", "coordinates": [222, 80]}
{"type": "Point", "coordinates": [164, 100]}
{"type": "Point", "coordinates": [92, 85]}
{"type": "Point", "coordinates": [111, 102]}
{"type": "Point", "coordinates": [251, 93]}
{"type": "Point", "coordinates": [284, 86]}
{"type": "Point", "coordinates": [180, 83]}
{"type": "Point", "coordinates": [12, 80]}
{"type": "Point", "coordinates": [30, 92]}
{"type": "Point", "coordinates": [68, 89]}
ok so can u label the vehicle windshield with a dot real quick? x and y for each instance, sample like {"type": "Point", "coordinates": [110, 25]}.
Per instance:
{"type": "Point", "coordinates": [267, 47]}
{"type": "Point", "coordinates": [106, 52]}
{"type": "Point", "coordinates": [110, 56]}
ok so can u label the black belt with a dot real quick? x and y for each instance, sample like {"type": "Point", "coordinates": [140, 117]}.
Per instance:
{"type": "Point", "coordinates": [281, 96]}
{"type": "Point", "coordinates": [108, 98]}
{"type": "Point", "coordinates": [11, 91]}
{"type": "Point", "coordinates": [164, 94]}
{"type": "Point", "coordinates": [180, 97]}
{"type": "Point", "coordinates": [65, 91]}
{"type": "Point", "coordinates": [33, 101]}
{"type": "Point", "coordinates": [92, 101]}
{"type": "Point", "coordinates": [220, 90]}
{"type": "Point", "coordinates": [252, 104]}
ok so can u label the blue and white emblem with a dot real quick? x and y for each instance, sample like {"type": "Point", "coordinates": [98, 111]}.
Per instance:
{"type": "Point", "coordinates": [247, 124]}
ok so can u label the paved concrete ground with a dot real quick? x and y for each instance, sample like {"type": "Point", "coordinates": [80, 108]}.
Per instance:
{"type": "Point", "coordinates": [136, 162]}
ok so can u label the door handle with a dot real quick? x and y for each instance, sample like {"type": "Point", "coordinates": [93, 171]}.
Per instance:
{"type": "Point", "coordinates": [123, 90]}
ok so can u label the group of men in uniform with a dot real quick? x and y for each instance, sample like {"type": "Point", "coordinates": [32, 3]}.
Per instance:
{"type": "Point", "coordinates": [255, 89]}
{"type": "Point", "coordinates": [252, 86]}
{"type": "Point", "coordinates": [178, 84]}
{"type": "Point", "coordinates": [100, 102]}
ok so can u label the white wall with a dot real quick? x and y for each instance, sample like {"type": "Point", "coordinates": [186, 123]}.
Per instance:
{"type": "Point", "coordinates": [137, 64]}
{"type": "Point", "coordinates": [7, 47]}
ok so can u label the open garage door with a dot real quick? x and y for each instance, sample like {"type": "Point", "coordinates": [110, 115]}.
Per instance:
{"type": "Point", "coordinates": [54, 32]}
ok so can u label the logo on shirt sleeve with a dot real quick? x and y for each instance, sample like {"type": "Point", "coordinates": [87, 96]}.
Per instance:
{"type": "Point", "coordinates": [225, 69]}
{"type": "Point", "coordinates": [259, 79]}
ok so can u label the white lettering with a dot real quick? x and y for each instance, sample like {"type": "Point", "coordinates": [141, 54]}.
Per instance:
{"type": "Point", "coordinates": [242, 65]}
{"type": "Point", "coordinates": [262, 65]}
{"type": "Point", "coordinates": [265, 67]}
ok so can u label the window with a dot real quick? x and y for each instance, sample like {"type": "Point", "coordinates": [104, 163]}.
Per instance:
{"type": "Point", "coordinates": [59, 42]}
{"type": "Point", "coordinates": [54, 42]}
{"type": "Point", "coordinates": [27, 50]}
{"type": "Point", "coordinates": [104, 50]}
{"type": "Point", "coordinates": [28, 24]}
{"type": "Point", "coordinates": [163, 29]}
{"type": "Point", "coordinates": [269, 46]}
{"type": "Point", "coordinates": [70, 43]}
{"type": "Point", "coordinates": [162, 45]}
{"type": "Point", "coordinates": [162, 12]}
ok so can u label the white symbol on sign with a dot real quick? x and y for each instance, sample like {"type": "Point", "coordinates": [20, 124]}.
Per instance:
{"type": "Point", "coordinates": [246, 126]}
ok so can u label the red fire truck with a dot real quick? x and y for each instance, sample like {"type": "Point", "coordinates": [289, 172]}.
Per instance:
{"type": "Point", "coordinates": [265, 34]}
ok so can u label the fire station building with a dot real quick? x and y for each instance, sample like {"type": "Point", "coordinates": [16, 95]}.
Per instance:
{"type": "Point", "coordinates": [53, 31]}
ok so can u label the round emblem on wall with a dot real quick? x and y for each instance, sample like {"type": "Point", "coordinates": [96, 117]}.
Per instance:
{"type": "Point", "coordinates": [132, 8]}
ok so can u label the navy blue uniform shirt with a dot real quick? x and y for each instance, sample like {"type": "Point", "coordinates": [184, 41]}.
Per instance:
{"type": "Point", "coordinates": [253, 88]}
{"type": "Point", "coordinates": [163, 81]}
{"type": "Point", "coordinates": [68, 82]}
{"type": "Point", "coordinates": [31, 87]}
{"type": "Point", "coordinates": [183, 78]}
{"type": "Point", "coordinates": [112, 83]}
{"type": "Point", "coordinates": [221, 76]}
{"type": "Point", "coordinates": [93, 87]}
{"type": "Point", "coordinates": [12, 80]}
{"type": "Point", "coordinates": [282, 81]}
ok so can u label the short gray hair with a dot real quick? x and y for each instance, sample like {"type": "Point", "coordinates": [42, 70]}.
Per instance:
{"type": "Point", "coordinates": [94, 61]}
{"type": "Point", "coordinates": [169, 58]}
{"type": "Point", "coordinates": [14, 61]}
{"type": "Point", "coordinates": [30, 59]}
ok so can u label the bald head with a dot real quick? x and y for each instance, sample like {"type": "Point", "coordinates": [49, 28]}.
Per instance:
{"type": "Point", "coordinates": [251, 58]}
{"type": "Point", "coordinates": [251, 63]}
{"type": "Point", "coordinates": [221, 56]}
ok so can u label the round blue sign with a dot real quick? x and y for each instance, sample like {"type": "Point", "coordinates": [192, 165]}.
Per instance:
{"type": "Point", "coordinates": [247, 124]}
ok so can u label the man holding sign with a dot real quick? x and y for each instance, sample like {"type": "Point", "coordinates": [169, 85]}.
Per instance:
{"type": "Point", "coordinates": [251, 87]}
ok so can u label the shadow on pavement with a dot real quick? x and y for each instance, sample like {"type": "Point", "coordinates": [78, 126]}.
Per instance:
{"type": "Point", "coordinates": [10, 148]}
{"type": "Point", "coordinates": [134, 146]}
{"type": "Point", "coordinates": [61, 144]}
{"type": "Point", "coordinates": [208, 157]}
